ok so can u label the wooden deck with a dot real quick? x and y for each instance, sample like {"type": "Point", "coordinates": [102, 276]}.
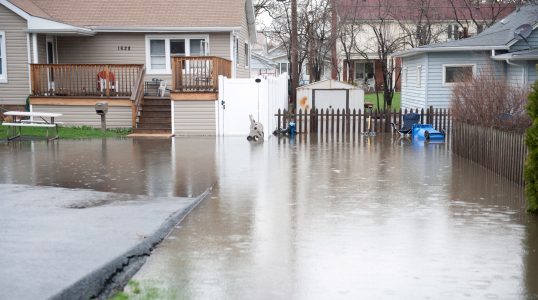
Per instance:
{"type": "Point", "coordinates": [198, 74]}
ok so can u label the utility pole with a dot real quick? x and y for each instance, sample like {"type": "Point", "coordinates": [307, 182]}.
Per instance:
{"type": "Point", "coordinates": [334, 24]}
{"type": "Point", "coordinates": [294, 55]}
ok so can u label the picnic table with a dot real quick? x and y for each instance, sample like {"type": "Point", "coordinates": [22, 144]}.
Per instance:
{"type": "Point", "coordinates": [37, 119]}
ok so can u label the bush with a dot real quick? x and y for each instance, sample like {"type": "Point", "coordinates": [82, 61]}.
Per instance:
{"type": "Point", "coordinates": [490, 101]}
{"type": "Point", "coordinates": [531, 167]}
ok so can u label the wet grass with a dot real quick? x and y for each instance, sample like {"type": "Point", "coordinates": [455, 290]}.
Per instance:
{"type": "Point", "coordinates": [84, 132]}
{"type": "Point", "coordinates": [144, 291]}
{"type": "Point", "coordinates": [396, 101]}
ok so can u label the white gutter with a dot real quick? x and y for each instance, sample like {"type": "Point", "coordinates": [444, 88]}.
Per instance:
{"type": "Point", "coordinates": [447, 49]}
{"type": "Point", "coordinates": [164, 29]}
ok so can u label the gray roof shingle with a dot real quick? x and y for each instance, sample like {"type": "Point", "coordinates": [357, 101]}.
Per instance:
{"type": "Point", "coordinates": [138, 13]}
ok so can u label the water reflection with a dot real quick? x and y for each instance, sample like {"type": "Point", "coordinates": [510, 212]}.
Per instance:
{"type": "Point", "coordinates": [152, 167]}
{"type": "Point", "coordinates": [323, 218]}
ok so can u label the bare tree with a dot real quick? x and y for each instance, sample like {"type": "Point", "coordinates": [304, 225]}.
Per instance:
{"type": "Point", "coordinates": [262, 6]}
{"type": "Point", "coordinates": [375, 21]}
{"type": "Point", "coordinates": [419, 22]}
{"type": "Point", "coordinates": [348, 32]}
{"type": "Point", "coordinates": [481, 13]}
{"type": "Point", "coordinates": [313, 31]}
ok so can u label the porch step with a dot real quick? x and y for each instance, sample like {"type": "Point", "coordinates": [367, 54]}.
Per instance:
{"type": "Point", "coordinates": [152, 131]}
{"type": "Point", "coordinates": [158, 119]}
{"type": "Point", "coordinates": [155, 113]}
{"type": "Point", "coordinates": [157, 101]}
{"type": "Point", "coordinates": [155, 116]}
{"type": "Point", "coordinates": [156, 108]}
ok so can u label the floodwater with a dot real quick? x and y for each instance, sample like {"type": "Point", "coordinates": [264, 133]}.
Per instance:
{"type": "Point", "coordinates": [373, 218]}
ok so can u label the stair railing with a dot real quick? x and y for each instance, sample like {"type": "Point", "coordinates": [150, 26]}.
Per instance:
{"type": "Point", "coordinates": [138, 96]}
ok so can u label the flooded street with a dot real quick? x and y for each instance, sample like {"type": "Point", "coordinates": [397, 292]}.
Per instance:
{"type": "Point", "coordinates": [373, 218]}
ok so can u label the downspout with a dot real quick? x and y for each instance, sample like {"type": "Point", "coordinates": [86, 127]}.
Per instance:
{"type": "Point", "coordinates": [29, 50]}
{"type": "Point", "coordinates": [523, 67]}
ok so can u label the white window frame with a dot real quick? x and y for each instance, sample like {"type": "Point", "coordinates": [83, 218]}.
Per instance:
{"type": "Point", "coordinates": [247, 55]}
{"type": "Point", "coordinates": [453, 34]}
{"type": "Point", "coordinates": [449, 84]}
{"type": "Point", "coordinates": [167, 38]}
{"type": "Point", "coordinates": [3, 76]}
{"type": "Point", "coordinates": [419, 76]}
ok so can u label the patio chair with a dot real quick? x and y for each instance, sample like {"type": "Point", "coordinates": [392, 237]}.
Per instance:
{"type": "Point", "coordinates": [408, 121]}
{"type": "Point", "coordinates": [102, 82]}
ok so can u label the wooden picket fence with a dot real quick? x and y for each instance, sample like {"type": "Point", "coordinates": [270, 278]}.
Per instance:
{"type": "Point", "coordinates": [502, 152]}
{"type": "Point", "coordinates": [355, 122]}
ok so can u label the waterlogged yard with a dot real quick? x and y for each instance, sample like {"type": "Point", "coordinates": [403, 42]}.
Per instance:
{"type": "Point", "coordinates": [370, 218]}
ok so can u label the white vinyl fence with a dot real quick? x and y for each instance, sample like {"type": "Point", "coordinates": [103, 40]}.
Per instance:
{"type": "Point", "coordinates": [239, 98]}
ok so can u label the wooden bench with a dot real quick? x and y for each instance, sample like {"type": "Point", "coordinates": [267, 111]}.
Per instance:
{"type": "Point", "coordinates": [45, 120]}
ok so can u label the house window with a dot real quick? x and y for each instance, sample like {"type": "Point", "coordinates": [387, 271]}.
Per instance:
{"type": "Point", "coordinates": [247, 55]}
{"type": "Point", "coordinates": [363, 71]}
{"type": "Point", "coordinates": [157, 54]}
{"type": "Point", "coordinates": [197, 47]}
{"type": "Point", "coordinates": [177, 47]}
{"type": "Point", "coordinates": [3, 64]}
{"type": "Point", "coordinates": [419, 76]}
{"type": "Point", "coordinates": [457, 73]}
{"type": "Point", "coordinates": [453, 32]}
{"type": "Point", "coordinates": [284, 68]}
{"type": "Point", "coordinates": [160, 49]}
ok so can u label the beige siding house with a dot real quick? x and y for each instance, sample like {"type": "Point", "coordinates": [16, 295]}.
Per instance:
{"type": "Point", "coordinates": [69, 55]}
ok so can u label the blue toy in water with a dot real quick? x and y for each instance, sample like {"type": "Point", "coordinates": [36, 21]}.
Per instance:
{"type": "Point", "coordinates": [290, 130]}
{"type": "Point", "coordinates": [427, 132]}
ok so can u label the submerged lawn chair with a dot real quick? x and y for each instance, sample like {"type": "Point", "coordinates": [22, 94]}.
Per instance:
{"type": "Point", "coordinates": [408, 121]}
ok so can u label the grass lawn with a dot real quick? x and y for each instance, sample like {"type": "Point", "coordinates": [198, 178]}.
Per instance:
{"type": "Point", "coordinates": [83, 132]}
{"type": "Point", "coordinates": [373, 99]}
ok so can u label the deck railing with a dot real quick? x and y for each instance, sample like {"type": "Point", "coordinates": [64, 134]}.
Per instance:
{"type": "Point", "coordinates": [84, 80]}
{"type": "Point", "coordinates": [199, 73]}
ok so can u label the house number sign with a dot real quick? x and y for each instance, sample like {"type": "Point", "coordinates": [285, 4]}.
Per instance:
{"type": "Point", "coordinates": [124, 48]}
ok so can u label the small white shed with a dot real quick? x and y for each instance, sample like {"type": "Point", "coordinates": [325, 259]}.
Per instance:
{"type": "Point", "coordinates": [331, 94]}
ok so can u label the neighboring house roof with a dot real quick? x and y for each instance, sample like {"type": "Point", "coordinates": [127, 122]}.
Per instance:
{"type": "Point", "coordinates": [278, 52]}
{"type": "Point", "coordinates": [143, 15]}
{"type": "Point", "coordinates": [260, 62]}
{"type": "Point", "coordinates": [328, 84]}
{"type": "Point", "coordinates": [437, 10]}
{"type": "Point", "coordinates": [499, 36]}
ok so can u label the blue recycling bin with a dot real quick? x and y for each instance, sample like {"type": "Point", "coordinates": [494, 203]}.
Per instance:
{"type": "Point", "coordinates": [427, 132]}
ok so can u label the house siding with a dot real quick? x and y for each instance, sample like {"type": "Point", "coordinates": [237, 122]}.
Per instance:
{"type": "Point", "coordinates": [533, 73]}
{"type": "Point", "coordinates": [242, 71]}
{"type": "Point", "coordinates": [439, 95]}
{"type": "Point", "coordinates": [194, 118]}
{"type": "Point", "coordinates": [514, 74]}
{"type": "Point", "coordinates": [102, 49]}
{"type": "Point", "coordinates": [219, 45]}
{"type": "Point", "coordinates": [412, 95]}
{"type": "Point", "coordinates": [16, 89]}
{"type": "Point", "coordinates": [117, 117]}
{"type": "Point", "coordinates": [522, 45]}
